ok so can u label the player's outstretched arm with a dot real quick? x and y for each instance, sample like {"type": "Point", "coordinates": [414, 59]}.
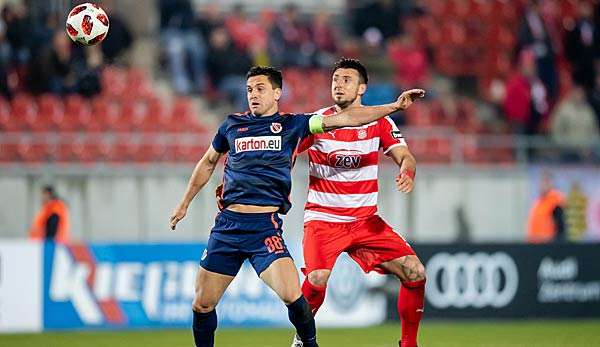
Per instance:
{"type": "Point", "coordinates": [201, 175]}
{"type": "Point", "coordinates": [358, 116]}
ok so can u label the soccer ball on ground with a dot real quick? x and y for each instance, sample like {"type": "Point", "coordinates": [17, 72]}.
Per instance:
{"type": "Point", "coordinates": [87, 24]}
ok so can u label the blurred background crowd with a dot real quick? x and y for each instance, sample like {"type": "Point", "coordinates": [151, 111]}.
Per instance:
{"type": "Point", "coordinates": [498, 67]}
{"type": "Point", "coordinates": [512, 85]}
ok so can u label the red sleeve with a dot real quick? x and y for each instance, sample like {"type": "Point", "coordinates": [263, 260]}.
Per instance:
{"type": "Point", "coordinates": [389, 135]}
{"type": "Point", "coordinates": [305, 143]}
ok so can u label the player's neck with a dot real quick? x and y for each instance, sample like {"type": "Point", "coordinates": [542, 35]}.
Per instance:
{"type": "Point", "coordinates": [355, 103]}
{"type": "Point", "coordinates": [268, 113]}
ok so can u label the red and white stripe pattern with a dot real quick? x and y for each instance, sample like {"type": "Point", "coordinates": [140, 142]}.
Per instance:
{"type": "Point", "coordinates": [343, 169]}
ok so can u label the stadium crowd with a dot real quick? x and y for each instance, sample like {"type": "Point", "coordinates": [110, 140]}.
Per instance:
{"type": "Point", "coordinates": [492, 67]}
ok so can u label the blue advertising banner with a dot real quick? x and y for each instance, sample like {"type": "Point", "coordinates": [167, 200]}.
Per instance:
{"type": "Point", "coordinates": [113, 286]}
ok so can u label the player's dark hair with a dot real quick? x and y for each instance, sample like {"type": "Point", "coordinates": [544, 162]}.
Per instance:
{"type": "Point", "coordinates": [273, 74]}
{"type": "Point", "coordinates": [349, 63]}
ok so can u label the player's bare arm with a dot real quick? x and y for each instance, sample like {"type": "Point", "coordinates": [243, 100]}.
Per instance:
{"type": "Point", "coordinates": [408, 167]}
{"type": "Point", "coordinates": [202, 172]}
{"type": "Point", "coordinates": [357, 116]}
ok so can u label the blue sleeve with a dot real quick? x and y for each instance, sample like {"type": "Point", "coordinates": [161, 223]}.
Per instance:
{"type": "Point", "coordinates": [301, 124]}
{"type": "Point", "coordinates": [220, 142]}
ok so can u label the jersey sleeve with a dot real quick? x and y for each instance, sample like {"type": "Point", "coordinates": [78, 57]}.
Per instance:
{"type": "Point", "coordinates": [301, 123]}
{"type": "Point", "coordinates": [306, 143]}
{"type": "Point", "coordinates": [389, 135]}
{"type": "Point", "coordinates": [220, 142]}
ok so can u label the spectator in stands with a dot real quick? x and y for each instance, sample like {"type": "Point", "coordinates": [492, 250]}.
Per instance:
{"type": "Point", "coordinates": [183, 44]}
{"type": "Point", "coordinates": [51, 223]}
{"type": "Point", "coordinates": [18, 32]}
{"type": "Point", "coordinates": [88, 72]}
{"type": "Point", "coordinates": [525, 100]}
{"type": "Point", "coordinates": [244, 31]}
{"type": "Point", "coordinates": [64, 68]}
{"type": "Point", "coordinates": [534, 35]}
{"type": "Point", "coordinates": [574, 126]}
{"type": "Point", "coordinates": [43, 32]}
{"type": "Point", "coordinates": [227, 68]}
{"type": "Point", "coordinates": [119, 37]}
{"type": "Point", "coordinates": [323, 34]}
{"type": "Point", "coordinates": [289, 40]}
{"type": "Point", "coordinates": [381, 14]}
{"type": "Point", "coordinates": [372, 54]}
{"type": "Point", "coordinates": [4, 61]}
{"type": "Point", "coordinates": [55, 70]}
{"type": "Point", "coordinates": [546, 222]}
{"type": "Point", "coordinates": [594, 97]}
{"type": "Point", "coordinates": [208, 18]}
{"type": "Point", "coordinates": [582, 46]}
{"type": "Point", "coordinates": [410, 61]}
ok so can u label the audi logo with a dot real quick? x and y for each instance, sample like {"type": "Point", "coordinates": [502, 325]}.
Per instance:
{"type": "Point", "coordinates": [471, 280]}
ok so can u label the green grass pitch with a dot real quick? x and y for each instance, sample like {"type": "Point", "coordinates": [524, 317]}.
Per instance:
{"type": "Point", "coordinates": [573, 333]}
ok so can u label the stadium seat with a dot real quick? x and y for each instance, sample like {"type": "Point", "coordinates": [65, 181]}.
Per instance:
{"type": "Point", "coordinates": [51, 112]}
{"type": "Point", "coordinates": [24, 113]}
{"type": "Point", "coordinates": [77, 114]}
{"type": "Point", "coordinates": [151, 149]}
{"type": "Point", "coordinates": [106, 113]}
{"type": "Point", "coordinates": [6, 120]}
{"type": "Point", "coordinates": [157, 118]}
{"type": "Point", "coordinates": [31, 152]}
{"type": "Point", "coordinates": [124, 150]}
{"type": "Point", "coordinates": [114, 82]}
{"type": "Point", "coordinates": [8, 152]}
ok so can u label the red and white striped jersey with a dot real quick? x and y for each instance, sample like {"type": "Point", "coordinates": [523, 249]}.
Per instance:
{"type": "Point", "coordinates": [343, 169]}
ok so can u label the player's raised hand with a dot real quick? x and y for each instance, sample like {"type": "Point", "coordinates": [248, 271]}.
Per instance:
{"type": "Point", "coordinates": [404, 183]}
{"type": "Point", "coordinates": [177, 215]}
{"type": "Point", "coordinates": [408, 97]}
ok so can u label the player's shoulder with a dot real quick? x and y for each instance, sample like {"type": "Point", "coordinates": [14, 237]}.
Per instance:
{"type": "Point", "coordinates": [237, 116]}
{"type": "Point", "coordinates": [289, 114]}
{"type": "Point", "coordinates": [325, 111]}
{"type": "Point", "coordinates": [387, 123]}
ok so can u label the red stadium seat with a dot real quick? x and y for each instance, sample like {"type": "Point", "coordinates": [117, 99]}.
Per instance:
{"type": "Point", "coordinates": [7, 122]}
{"type": "Point", "coordinates": [78, 115]}
{"type": "Point", "coordinates": [8, 152]}
{"type": "Point", "coordinates": [33, 152]}
{"type": "Point", "coordinates": [151, 150]}
{"type": "Point", "coordinates": [124, 150]}
{"type": "Point", "coordinates": [183, 117]}
{"type": "Point", "coordinates": [51, 112]}
{"type": "Point", "coordinates": [132, 115]}
{"type": "Point", "coordinates": [25, 114]}
{"type": "Point", "coordinates": [137, 83]}
{"type": "Point", "coordinates": [157, 118]}
{"type": "Point", "coordinates": [106, 113]}
{"type": "Point", "coordinates": [114, 82]}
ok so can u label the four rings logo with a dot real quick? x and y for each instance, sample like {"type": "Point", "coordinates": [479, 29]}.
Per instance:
{"type": "Point", "coordinates": [471, 280]}
{"type": "Point", "coordinates": [258, 143]}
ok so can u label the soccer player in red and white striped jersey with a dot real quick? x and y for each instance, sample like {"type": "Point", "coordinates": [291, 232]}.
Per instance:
{"type": "Point", "coordinates": [341, 209]}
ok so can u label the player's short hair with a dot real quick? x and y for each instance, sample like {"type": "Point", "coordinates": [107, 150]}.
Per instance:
{"type": "Point", "coordinates": [349, 63]}
{"type": "Point", "coordinates": [274, 75]}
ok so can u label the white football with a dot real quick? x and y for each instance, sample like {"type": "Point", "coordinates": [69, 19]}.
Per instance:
{"type": "Point", "coordinates": [87, 24]}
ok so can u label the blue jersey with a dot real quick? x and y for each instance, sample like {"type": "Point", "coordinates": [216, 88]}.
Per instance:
{"type": "Point", "coordinates": [261, 155]}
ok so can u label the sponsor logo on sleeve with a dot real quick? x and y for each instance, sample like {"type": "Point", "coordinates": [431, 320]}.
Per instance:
{"type": "Point", "coordinates": [397, 134]}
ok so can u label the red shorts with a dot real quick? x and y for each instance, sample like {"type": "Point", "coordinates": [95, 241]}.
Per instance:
{"type": "Point", "coordinates": [369, 242]}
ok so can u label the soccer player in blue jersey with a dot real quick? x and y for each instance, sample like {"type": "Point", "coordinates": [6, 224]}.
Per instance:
{"type": "Point", "coordinates": [256, 186]}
